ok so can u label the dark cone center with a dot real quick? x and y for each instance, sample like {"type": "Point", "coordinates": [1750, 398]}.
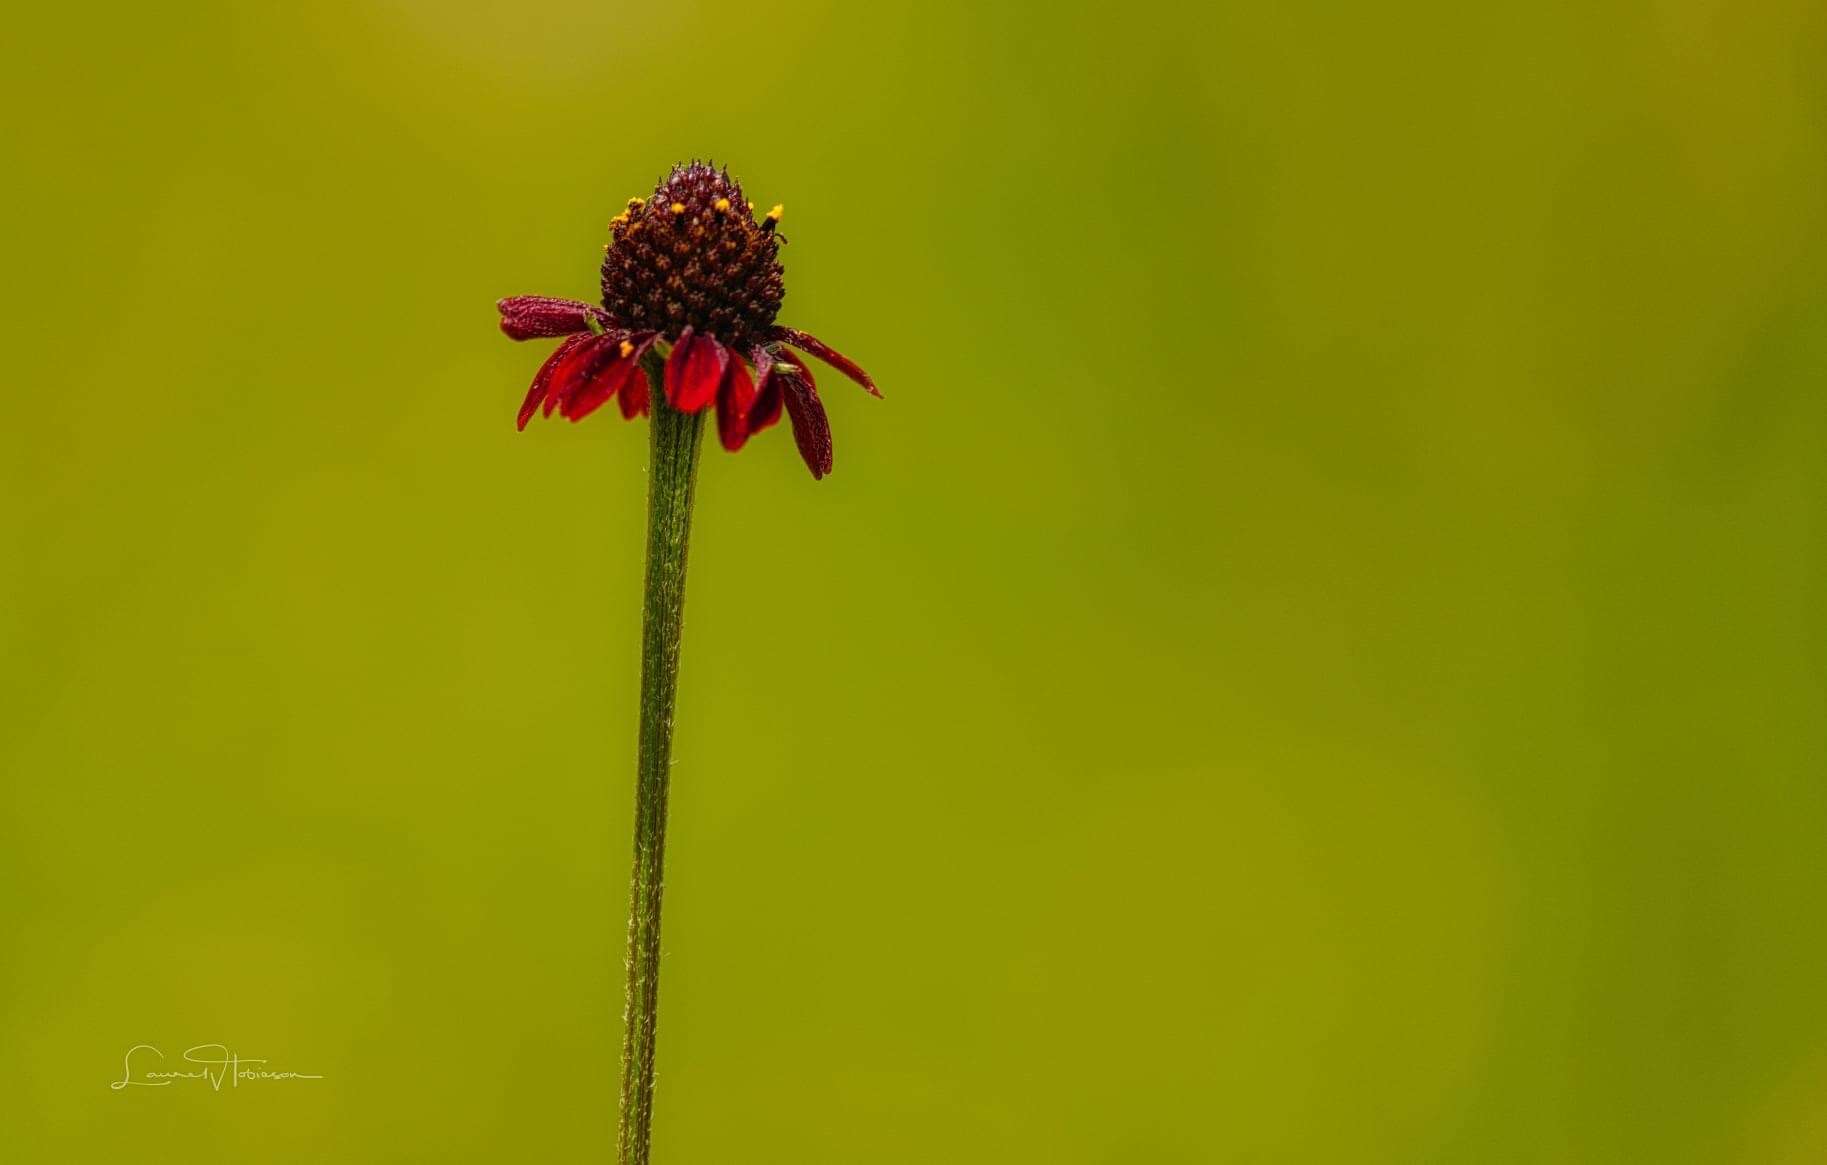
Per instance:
{"type": "Point", "coordinates": [693, 255]}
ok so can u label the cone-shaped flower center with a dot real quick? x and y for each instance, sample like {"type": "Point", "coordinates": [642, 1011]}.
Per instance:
{"type": "Point", "coordinates": [693, 255]}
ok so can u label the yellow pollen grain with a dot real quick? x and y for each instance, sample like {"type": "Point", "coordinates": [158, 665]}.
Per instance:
{"type": "Point", "coordinates": [627, 347]}
{"type": "Point", "coordinates": [722, 204]}
{"type": "Point", "coordinates": [678, 208]}
{"type": "Point", "coordinates": [780, 208]}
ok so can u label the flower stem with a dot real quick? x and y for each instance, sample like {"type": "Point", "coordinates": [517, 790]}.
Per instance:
{"type": "Point", "coordinates": [674, 468]}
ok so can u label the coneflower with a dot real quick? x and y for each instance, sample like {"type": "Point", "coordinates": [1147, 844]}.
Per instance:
{"type": "Point", "coordinates": [691, 289]}
{"type": "Point", "coordinates": [689, 271]}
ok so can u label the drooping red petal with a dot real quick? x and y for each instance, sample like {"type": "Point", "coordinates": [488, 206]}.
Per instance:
{"type": "Point", "coordinates": [633, 394]}
{"type": "Point", "coordinates": [811, 430]}
{"type": "Point", "coordinates": [675, 365]}
{"type": "Point", "coordinates": [524, 317]}
{"type": "Point", "coordinates": [766, 409]}
{"type": "Point", "coordinates": [734, 400]}
{"type": "Point", "coordinates": [633, 398]}
{"type": "Point", "coordinates": [817, 347]}
{"type": "Point", "coordinates": [694, 371]}
{"type": "Point", "coordinates": [575, 369]}
{"type": "Point", "coordinates": [785, 366]}
{"type": "Point", "coordinates": [618, 373]}
{"type": "Point", "coordinates": [542, 381]}
{"type": "Point", "coordinates": [595, 392]}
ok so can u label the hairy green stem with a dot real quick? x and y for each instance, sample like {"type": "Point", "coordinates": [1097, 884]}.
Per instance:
{"type": "Point", "coordinates": [676, 440]}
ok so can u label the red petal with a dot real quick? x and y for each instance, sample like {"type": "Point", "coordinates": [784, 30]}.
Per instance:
{"type": "Point", "coordinates": [571, 374]}
{"type": "Point", "coordinates": [766, 409]}
{"type": "Point", "coordinates": [782, 367]}
{"type": "Point", "coordinates": [734, 401]}
{"type": "Point", "coordinates": [525, 316]}
{"type": "Point", "coordinates": [622, 370]}
{"type": "Point", "coordinates": [694, 371]}
{"type": "Point", "coordinates": [542, 380]}
{"type": "Point", "coordinates": [811, 431]}
{"type": "Point", "coordinates": [675, 365]}
{"type": "Point", "coordinates": [594, 393]}
{"type": "Point", "coordinates": [830, 355]}
{"type": "Point", "coordinates": [766, 412]}
{"type": "Point", "coordinates": [634, 397]}
{"type": "Point", "coordinates": [791, 364]}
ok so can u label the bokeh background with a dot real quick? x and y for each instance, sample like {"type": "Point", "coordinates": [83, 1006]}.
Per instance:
{"type": "Point", "coordinates": [1318, 657]}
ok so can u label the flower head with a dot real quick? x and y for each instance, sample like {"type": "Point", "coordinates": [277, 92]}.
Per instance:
{"type": "Point", "coordinates": [691, 274]}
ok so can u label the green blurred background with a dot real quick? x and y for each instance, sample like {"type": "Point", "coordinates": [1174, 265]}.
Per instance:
{"type": "Point", "coordinates": [1317, 658]}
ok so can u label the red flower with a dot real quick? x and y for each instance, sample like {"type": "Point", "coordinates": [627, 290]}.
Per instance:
{"type": "Point", "coordinates": [689, 271]}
